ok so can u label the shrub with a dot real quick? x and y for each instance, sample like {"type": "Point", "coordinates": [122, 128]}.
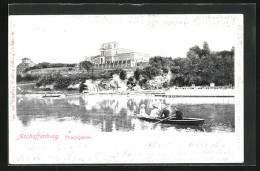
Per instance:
{"type": "Point", "coordinates": [143, 82]}
{"type": "Point", "coordinates": [177, 81]}
{"type": "Point", "coordinates": [49, 78]}
{"type": "Point", "coordinates": [116, 71]}
{"type": "Point", "coordinates": [82, 86]}
{"type": "Point", "coordinates": [63, 82]}
{"type": "Point", "coordinates": [165, 70]}
{"type": "Point", "coordinates": [165, 85]}
{"type": "Point", "coordinates": [18, 77]}
{"type": "Point", "coordinates": [137, 73]}
{"type": "Point", "coordinates": [175, 70]}
{"type": "Point", "coordinates": [131, 81]}
{"type": "Point", "coordinates": [29, 77]}
{"type": "Point", "coordinates": [150, 72]}
{"type": "Point", "coordinates": [122, 75]}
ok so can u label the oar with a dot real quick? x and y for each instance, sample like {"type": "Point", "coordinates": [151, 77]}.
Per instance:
{"type": "Point", "coordinates": [161, 120]}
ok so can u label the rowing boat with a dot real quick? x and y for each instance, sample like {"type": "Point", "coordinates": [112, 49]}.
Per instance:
{"type": "Point", "coordinates": [184, 121]}
{"type": "Point", "coordinates": [51, 95]}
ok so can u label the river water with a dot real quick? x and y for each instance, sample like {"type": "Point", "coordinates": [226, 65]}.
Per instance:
{"type": "Point", "coordinates": [115, 113]}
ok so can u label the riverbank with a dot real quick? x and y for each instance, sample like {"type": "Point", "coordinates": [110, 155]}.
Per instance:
{"type": "Point", "coordinates": [30, 88]}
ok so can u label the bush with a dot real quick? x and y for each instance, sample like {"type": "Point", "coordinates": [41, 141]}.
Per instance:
{"type": "Point", "coordinates": [177, 81]}
{"type": "Point", "coordinates": [82, 86]}
{"type": "Point", "coordinates": [165, 85]}
{"type": "Point", "coordinates": [131, 81]}
{"type": "Point", "coordinates": [116, 71]}
{"type": "Point", "coordinates": [48, 78]}
{"type": "Point", "coordinates": [150, 72]}
{"type": "Point", "coordinates": [175, 70]}
{"type": "Point", "coordinates": [93, 77]}
{"type": "Point", "coordinates": [122, 75]}
{"type": "Point", "coordinates": [18, 77]}
{"type": "Point", "coordinates": [49, 65]}
{"type": "Point", "coordinates": [29, 77]}
{"type": "Point", "coordinates": [137, 74]}
{"type": "Point", "coordinates": [143, 82]}
{"type": "Point", "coordinates": [63, 82]}
{"type": "Point", "coordinates": [165, 70]}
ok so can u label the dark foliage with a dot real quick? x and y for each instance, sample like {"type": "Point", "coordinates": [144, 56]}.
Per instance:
{"type": "Point", "coordinates": [131, 81]}
{"type": "Point", "coordinates": [150, 72]}
{"type": "Point", "coordinates": [165, 70]}
{"type": "Point", "coordinates": [26, 78]}
{"type": "Point", "coordinates": [137, 74]}
{"type": "Point", "coordinates": [87, 65]}
{"type": "Point", "coordinates": [49, 65]}
{"type": "Point", "coordinates": [165, 85]}
{"type": "Point", "coordinates": [82, 87]}
{"type": "Point", "coordinates": [122, 75]}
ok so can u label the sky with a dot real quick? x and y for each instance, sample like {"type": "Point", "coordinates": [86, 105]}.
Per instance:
{"type": "Point", "coordinates": [70, 38]}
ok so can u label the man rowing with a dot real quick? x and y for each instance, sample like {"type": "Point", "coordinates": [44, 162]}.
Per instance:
{"type": "Point", "coordinates": [178, 114]}
{"type": "Point", "coordinates": [165, 111]}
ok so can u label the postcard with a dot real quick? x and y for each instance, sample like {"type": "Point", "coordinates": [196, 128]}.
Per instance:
{"type": "Point", "coordinates": [126, 89]}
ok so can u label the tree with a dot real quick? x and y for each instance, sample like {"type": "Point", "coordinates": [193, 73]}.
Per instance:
{"type": "Point", "coordinates": [165, 70]}
{"type": "Point", "coordinates": [87, 65]}
{"type": "Point", "coordinates": [197, 52]}
{"type": "Point", "coordinates": [177, 81]}
{"type": "Point", "coordinates": [82, 86]}
{"type": "Point", "coordinates": [194, 51]}
{"type": "Point", "coordinates": [175, 69]}
{"type": "Point", "coordinates": [165, 85]}
{"type": "Point", "coordinates": [137, 74]}
{"type": "Point", "coordinates": [18, 77]}
{"type": "Point", "coordinates": [44, 65]}
{"type": "Point", "coordinates": [122, 75]}
{"type": "Point", "coordinates": [131, 81]}
{"type": "Point", "coordinates": [143, 82]}
{"type": "Point", "coordinates": [205, 51]}
{"type": "Point", "coordinates": [161, 62]}
{"type": "Point", "coordinates": [150, 72]}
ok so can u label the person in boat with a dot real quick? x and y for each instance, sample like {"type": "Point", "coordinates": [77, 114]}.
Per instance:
{"type": "Point", "coordinates": [178, 114]}
{"type": "Point", "coordinates": [142, 110]}
{"type": "Point", "coordinates": [165, 111]}
{"type": "Point", "coordinates": [155, 112]}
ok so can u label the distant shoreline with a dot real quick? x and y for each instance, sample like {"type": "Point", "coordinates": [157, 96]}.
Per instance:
{"type": "Point", "coordinates": [179, 92]}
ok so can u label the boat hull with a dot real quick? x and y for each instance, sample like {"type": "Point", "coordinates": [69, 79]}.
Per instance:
{"type": "Point", "coordinates": [51, 96]}
{"type": "Point", "coordinates": [185, 121]}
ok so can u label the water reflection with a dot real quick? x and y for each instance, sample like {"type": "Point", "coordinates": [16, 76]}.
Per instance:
{"type": "Point", "coordinates": [116, 113]}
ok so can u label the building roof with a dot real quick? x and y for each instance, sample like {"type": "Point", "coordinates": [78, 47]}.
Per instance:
{"type": "Point", "coordinates": [26, 58]}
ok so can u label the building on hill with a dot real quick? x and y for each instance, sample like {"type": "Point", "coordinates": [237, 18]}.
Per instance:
{"type": "Point", "coordinates": [112, 57]}
{"type": "Point", "coordinates": [26, 63]}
